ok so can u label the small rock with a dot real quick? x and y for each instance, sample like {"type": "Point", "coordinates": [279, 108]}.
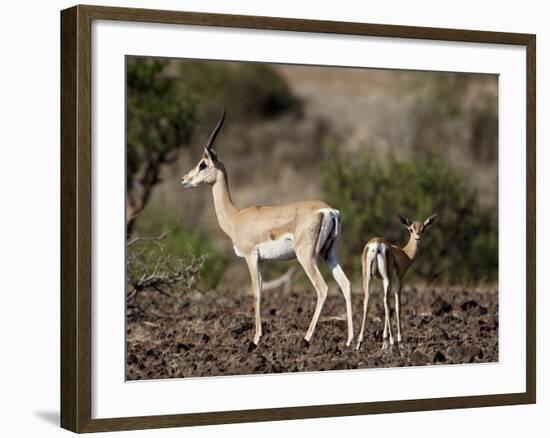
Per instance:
{"type": "Point", "coordinates": [439, 357]}
{"type": "Point", "coordinates": [184, 347]}
{"type": "Point", "coordinates": [467, 305]}
{"type": "Point", "coordinates": [339, 365]}
{"type": "Point", "coordinates": [132, 359]}
{"type": "Point", "coordinates": [250, 346]}
{"type": "Point", "coordinates": [242, 328]}
{"type": "Point", "coordinates": [419, 358]}
{"type": "Point", "coordinates": [377, 335]}
{"type": "Point", "coordinates": [440, 307]}
{"type": "Point", "coordinates": [465, 353]}
{"type": "Point", "coordinates": [473, 307]}
{"type": "Point", "coordinates": [304, 345]}
{"type": "Point", "coordinates": [210, 316]}
{"type": "Point", "coordinates": [152, 352]}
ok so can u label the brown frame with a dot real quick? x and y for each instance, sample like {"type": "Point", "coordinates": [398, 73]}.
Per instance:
{"type": "Point", "coordinates": [76, 173]}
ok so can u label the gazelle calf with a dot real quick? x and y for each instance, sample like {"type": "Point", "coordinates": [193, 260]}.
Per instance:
{"type": "Point", "coordinates": [390, 263]}
{"type": "Point", "coordinates": [307, 230]}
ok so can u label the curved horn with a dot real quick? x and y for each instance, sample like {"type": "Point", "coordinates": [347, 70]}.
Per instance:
{"type": "Point", "coordinates": [215, 132]}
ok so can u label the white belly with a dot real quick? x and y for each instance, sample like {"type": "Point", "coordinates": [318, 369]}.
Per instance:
{"type": "Point", "coordinates": [280, 249]}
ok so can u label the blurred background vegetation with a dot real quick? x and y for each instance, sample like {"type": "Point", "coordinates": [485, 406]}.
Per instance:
{"type": "Point", "coordinates": [463, 247]}
{"type": "Point", "coordinates": [372, 143]}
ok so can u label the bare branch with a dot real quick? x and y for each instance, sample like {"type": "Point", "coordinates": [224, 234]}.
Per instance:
{"type": "Point", "coordinates": [157, 239]}
{"type": "Point", "coordinates": [151, 269]}
{"type": "Point", "coordinates": [167, 271]}
{"type": "Point", "coordinates": [284, 280]}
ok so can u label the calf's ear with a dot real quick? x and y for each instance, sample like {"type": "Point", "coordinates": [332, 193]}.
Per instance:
{"type": "Point", "coordinates": [405, 221]}
{"type": "Point", "coordinates": [430, 220]}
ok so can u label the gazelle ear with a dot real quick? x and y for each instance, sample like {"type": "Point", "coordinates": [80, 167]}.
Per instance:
{"type": "Point", "coordinates": [210, 154]}
{"type": "Point", "coordinates": [405, 221]}
{"type": "Point", "coordinates": [430, 220]}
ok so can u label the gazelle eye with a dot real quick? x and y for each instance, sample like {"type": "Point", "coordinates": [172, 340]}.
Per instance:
{"type": "Point", "coordinates": [202, 166]}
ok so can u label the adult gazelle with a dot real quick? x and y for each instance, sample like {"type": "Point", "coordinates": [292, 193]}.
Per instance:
{"type": "Point", "coordinates": [306, 230]}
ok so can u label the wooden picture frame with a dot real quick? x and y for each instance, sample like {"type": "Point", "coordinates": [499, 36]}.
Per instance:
{"type": "Point", "coordinates": [76, 217]}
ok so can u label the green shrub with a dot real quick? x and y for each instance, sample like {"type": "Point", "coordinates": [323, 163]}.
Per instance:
{"type": "Point", "coordinates": [160, 118]}
{"type": "Point", "coordinates": [462, 246]}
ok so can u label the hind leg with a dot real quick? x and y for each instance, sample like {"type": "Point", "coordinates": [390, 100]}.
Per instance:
{"type": "Point", "coordinates": [367, 277]}
{"type": "Point", "coordinates": [387, 322]}
{"type": "Point", "coordinates": [345, 286]}
{"type": "Point", "coordinates": [382, 269]}
{"type": "Point", "coordinates": [397, 292]}
{"type": "Point", "coordinates": [305, 253]}
{"type": "Point", "coordinates": [309, 264]}
{"type": "Point", "coordinates": [308, 230]}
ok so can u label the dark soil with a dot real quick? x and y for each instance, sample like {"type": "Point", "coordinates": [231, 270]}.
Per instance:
{"type": "Point", "coordinates": [210, 334]}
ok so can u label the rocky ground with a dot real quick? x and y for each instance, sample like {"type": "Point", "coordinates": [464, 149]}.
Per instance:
{"type": "Point", "coordinates": [209, 334]}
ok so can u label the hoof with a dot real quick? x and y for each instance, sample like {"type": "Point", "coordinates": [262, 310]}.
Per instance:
{"type": "Point", "coordinates": [251, 347]}
{"type": "Point", "coordinates": [358, 346]}
{"type": "Point", "coordinates": [304, 343]}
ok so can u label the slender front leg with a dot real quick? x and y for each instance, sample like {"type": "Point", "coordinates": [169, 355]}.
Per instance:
{"type": "Point", "coordinates": [382, 268]}
{"type": "Point", "coordinates": [387, 323]}
{"type": "Point", "coordinates": [256, 279]}
{"type": "Point", "coordinates": [398, 307]}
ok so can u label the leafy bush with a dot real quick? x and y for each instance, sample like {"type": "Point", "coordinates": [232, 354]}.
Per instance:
{"type": "Point", "coordinates": [159, 120]}
{"type": "Point", "coordinates": [462, 246]}
{"type": "Point", "coordinates": [160, 115]}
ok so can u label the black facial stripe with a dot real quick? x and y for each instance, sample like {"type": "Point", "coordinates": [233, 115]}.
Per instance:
{"type": "Point", "coordinates": [202, 166]}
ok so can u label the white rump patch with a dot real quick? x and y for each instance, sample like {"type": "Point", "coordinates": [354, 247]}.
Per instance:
{"type": "Point", "coordinates": [372, 257]}
{"type": "Point", "coordinates": [330, 227]}
{"type": "Point", "coordinates": [280, 249]}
